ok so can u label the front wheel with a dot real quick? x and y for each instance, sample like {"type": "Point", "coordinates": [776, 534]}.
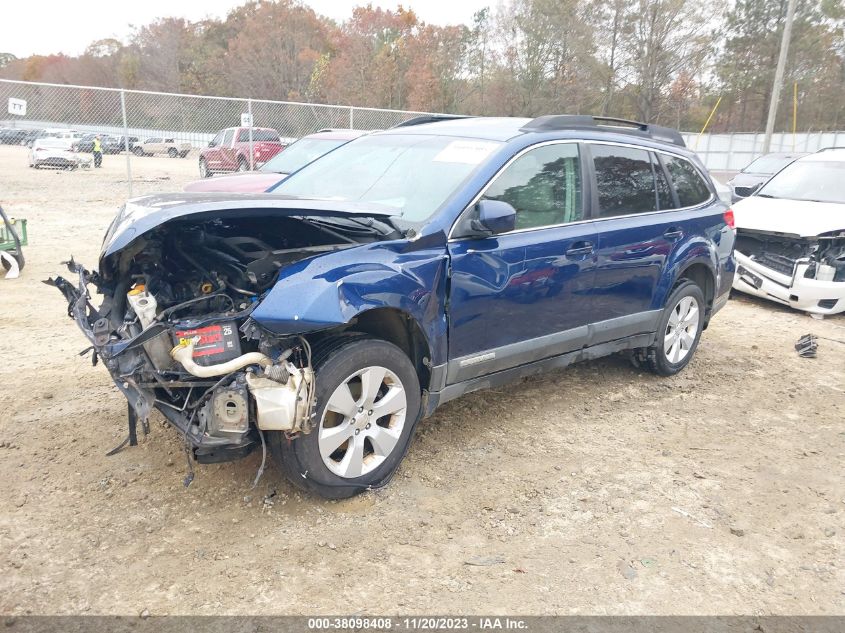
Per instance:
{"type": "Point", "coordinates": [138, 151]}
{"type": "Point", "coordinates": [679, 330]}
{"type": "Point", "coordinates": [173, 152]}
{"type": "Point", "coordinates": [368, 402]}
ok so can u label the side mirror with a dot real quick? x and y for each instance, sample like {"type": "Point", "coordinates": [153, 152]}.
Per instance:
{"type": "Point", "coordinates": [488, 217]}
{"type": "Point", "coordinates": [493, 217]}
{"type": "Point", "coordinates": [211, 143]}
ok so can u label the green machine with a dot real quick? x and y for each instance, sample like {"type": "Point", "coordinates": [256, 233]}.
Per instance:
{"type": "Point", "coordinates": [12, 239]}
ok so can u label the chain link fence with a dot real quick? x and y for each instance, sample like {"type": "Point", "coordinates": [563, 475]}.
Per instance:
{"type": "Point", "coordinates": [144, 124]}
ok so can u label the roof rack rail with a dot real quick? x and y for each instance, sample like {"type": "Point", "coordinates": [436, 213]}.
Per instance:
{"type": "Point", "coordinates": [552, 122]}
{"type": "Point", "coordinates": [431, 118]}
{"type": "Point", "coordinates": [825, 149]}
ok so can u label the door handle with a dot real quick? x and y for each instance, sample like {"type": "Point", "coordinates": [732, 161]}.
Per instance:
{"type": "Point", "coordinates": [580, 248]}
{"type": "Point", "coordinates": [673, 233]}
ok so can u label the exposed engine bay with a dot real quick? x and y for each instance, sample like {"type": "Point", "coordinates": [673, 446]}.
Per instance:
{"type": "Point", "coordinates": [820, 258]}
{"type": "Point", "coordinates": [174, 328]}
{"type": "Point", "coordinates": [803, 272]}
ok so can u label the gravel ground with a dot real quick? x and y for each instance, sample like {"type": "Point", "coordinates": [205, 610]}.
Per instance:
{"type": "Point", "coordinates": [599, 489]}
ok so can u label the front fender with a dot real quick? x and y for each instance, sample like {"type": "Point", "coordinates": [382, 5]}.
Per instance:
{"type": "Point", "coordinates": [330, 290]}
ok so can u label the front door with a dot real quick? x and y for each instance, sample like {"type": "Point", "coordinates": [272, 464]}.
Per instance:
{"type": "Point", "coordinates": [524, 295]}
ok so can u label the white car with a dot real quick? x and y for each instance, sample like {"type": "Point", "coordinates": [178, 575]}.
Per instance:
{"type": "Point", "coordinates": [790, 244]}
{"type": "Point", "coordinates": [53, 152]}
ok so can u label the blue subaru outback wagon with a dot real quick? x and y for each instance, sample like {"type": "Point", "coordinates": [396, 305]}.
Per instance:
{"type": "Point", "coordinates": [323, 320]}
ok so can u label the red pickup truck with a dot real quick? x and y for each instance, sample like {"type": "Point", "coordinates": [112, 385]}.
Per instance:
{"type": "Point", "coordinates": [229, 150]}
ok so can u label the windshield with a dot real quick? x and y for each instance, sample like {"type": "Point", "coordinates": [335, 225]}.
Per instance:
{"type": "Point", "coordinates": [769, 164]}
{"type": "Point", "coordinates": [411, 174]}
{"type": "Point", "coordinates": [816, 181]}
{"type": "Point", "coordinates": [300, 154]}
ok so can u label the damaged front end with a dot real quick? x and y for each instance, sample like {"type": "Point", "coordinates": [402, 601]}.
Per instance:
{"type": "Point", "coordinates": [174, 329]}
{"type": "Point", "coordinates": [805, 273]}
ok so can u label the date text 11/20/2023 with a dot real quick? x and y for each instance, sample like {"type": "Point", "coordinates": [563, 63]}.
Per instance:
{"type": "Point", "coordinates": [419, 623]}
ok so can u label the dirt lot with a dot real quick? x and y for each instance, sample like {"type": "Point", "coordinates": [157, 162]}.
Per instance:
{"type": "Point", "coordinates": [599, 489]}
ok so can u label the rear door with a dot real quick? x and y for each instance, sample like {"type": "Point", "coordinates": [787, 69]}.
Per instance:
{"type": "Point", "coordinates": [637, 233]}
{"type": "Point", "coordinates": [522, 296]}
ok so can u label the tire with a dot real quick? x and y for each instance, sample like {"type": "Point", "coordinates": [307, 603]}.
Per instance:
{"type": "Point", "coordinates": [172, 152]}
{"type": "Point", "coordinates": [138, 151]}
{"type": "Point", "coordinates": [183, 153]}
{"type": "Point", "coordinates": [350, 365]}
{"type": "Point", "coordinates": [669, 356]}
{"type": "Point", "coordinates": [242, 164]}
{"type": "Point", "coordinates": [204, 173]}
{"type": "Point", "coordinates": [18, 257]}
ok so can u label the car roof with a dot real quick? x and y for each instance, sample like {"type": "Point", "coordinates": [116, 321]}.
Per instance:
{"type": "Point", "coordinates": [338, 134]}
{"type": "Point", "coordinates": [551, 127]}
{"type": "Point", "coordinates": [488, 128]}
{"type": "Point", "coordinates": [826, 155]}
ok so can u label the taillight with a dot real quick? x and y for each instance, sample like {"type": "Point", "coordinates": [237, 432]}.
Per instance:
{"type": "Point", "coordinates": [729, 219]}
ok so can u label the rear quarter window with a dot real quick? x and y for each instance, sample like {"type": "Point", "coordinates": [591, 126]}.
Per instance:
{"type": "Point", "coordinates": [688, 183]}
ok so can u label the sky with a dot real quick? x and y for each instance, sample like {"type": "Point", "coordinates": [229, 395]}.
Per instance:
{"type": "Point", "coordinates": [30, 27]}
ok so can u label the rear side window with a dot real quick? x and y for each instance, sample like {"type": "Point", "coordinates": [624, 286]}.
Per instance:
{"type": "Point", "coordinates": [624, 179]}
{"type": "Point", "coordinates": [543, 185]}
{"type": "Point", "coordinates": [664, 191]}
{"type": "Point", "coordinates": [690, 186]}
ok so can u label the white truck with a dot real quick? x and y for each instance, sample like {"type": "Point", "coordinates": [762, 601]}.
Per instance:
{"type": "Point", "coordinates": [161, 145]}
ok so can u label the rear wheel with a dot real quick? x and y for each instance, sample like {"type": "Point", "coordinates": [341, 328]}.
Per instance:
{"type": "Point", "coordinates": [368, 402]}
{"type": "Point", "coordinates": [204, 173]}
{"type": "Point", "coordinates": [242, 166]}
{"type": "Point", "coordinates": [173, 152]}
{"type": "Point", "coordinates": [679, 330]}
{"type": "Point", "coordinates": [138, 151]}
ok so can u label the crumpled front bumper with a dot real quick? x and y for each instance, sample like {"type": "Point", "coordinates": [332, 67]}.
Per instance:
{"type": "Point", "coordinates": [97, 330]}
{"type": "Point", "coordinates": [125, 357]}
{"type": "Point", "coordinates": [796, 291]}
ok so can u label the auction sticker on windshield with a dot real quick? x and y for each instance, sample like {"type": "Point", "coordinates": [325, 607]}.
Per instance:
{"type": "Point", "coordinates": [466, 152]}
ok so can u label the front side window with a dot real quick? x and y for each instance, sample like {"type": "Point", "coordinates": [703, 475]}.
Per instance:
{"type": "Point", "coordinates": [543, 185]}
{"type": "Point", "coordinates": [227, 137]}
{"type": "Point", "coordinates": [624, 179]}
{"type": "Point", "coordinates": [690, 186]}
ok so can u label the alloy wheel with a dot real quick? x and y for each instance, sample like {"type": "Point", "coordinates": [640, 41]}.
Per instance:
{"type": "Point", "coordinates": [363, 421]}
{"type": "Point", "coordinates": [681, 330]}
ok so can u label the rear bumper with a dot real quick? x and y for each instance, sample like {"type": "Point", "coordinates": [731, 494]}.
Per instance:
{"type": "Point", "coordinates": [795, 291]}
